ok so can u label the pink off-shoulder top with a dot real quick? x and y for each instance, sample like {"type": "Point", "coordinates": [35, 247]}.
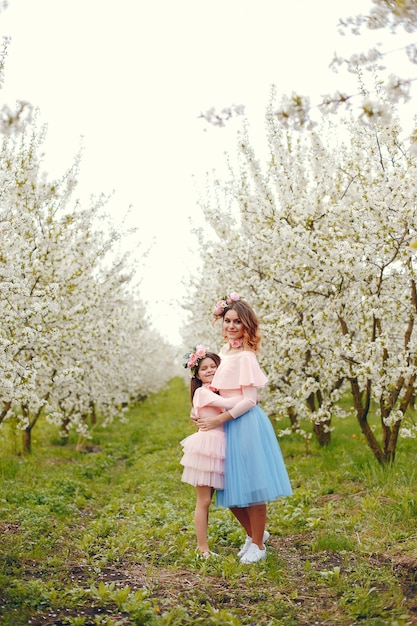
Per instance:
{"type": "Point", "coordinates": [239, 374]}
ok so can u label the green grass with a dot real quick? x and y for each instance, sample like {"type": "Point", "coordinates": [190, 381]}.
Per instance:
{"type": "Point", "coordinates": [105, 535]}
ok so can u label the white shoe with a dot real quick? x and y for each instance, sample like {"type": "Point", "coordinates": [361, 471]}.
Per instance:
{"type": "Point", "coordinates": [245, 547]}
{"type": "Point", "coordinates": [253, 554]}
{"type": "Point", "coordinates": [248, 543]}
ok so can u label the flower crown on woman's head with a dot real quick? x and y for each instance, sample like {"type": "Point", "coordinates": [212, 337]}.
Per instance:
{"type": "Point", "coordinates": [225, 302]}
{"type": "Point", "coordinates": [194, 357]}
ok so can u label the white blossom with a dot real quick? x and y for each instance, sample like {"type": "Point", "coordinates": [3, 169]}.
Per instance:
{"type": "Point", "coordinates": [76, 342]}
{"type": "Point", "coordinates": [318, 238]}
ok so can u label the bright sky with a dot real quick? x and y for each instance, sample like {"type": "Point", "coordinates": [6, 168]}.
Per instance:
{"type": "Point", "coordinates": [132, 76]}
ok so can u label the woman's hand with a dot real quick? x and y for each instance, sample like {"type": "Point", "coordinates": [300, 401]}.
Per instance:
{"type": "Point", "coordinates": [208, 423]}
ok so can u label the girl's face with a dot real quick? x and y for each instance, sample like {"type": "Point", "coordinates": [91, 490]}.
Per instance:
{"type": "Point", "coordinates": [232, 326]}
{"type": "Point", "coordinates": [206, 370]}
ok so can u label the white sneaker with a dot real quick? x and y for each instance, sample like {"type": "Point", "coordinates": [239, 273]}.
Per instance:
{"type": "Point", "coordinates": [253, 554]}
{"type": "Point", "coordinates": [248, 543]}
{"type": "Point", "coordinates": [245, 547]}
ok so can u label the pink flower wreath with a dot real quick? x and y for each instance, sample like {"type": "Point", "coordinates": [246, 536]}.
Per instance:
{"type": "Point", "coordinates": [193, 358]}
{"type": "Point", "coordinates": [225, 302]}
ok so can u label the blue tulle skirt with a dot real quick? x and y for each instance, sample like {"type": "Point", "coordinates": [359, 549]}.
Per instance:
{"type": "Point", "coordinates": [255, 471]}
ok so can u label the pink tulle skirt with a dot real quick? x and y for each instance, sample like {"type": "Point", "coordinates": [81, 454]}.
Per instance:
{"type": "Point", "coordinates": [203, 458]}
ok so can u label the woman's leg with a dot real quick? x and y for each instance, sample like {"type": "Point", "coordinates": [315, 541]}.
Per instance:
{"type": "Point", "coordinates": [257, 520]}
{"type": "Point", "coordinates": [242, 516]}
{"type": "Point", "coordinates": [201, 514]}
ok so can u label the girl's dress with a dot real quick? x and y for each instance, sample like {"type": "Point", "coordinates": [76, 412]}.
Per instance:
{"type": "Point", "coordinates": [255, 471]}
{"type": "Point", "coordinates": [204, 452]}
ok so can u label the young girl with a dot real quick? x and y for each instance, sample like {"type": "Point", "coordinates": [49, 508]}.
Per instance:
{"type": "Point", "coordinates": [203, 458]}
{"type": "Point", "coordinates": [255, 472]}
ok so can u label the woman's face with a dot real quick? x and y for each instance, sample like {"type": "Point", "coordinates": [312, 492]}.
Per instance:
{"type": "Point", "coordinates": [232, 326]}
{"type": "Point", "coordinates": [206, 370]}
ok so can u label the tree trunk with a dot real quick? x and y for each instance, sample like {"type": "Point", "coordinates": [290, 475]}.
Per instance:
{"type": "Point", "coordinates": [321, 429]}
{"type": "Point", "coordinates": [292, 414]}
{"type": "Point", "coordinates": [65, 430]}
{"type": "Point", "coordinates": [93, 414]}
{"type": "Point", "coordinates": [5, 410]}
{"type": "Point", "coordinates": [27, 440]}
{"type": "Point", "coordinates": [362, 403]}
{"type": "Point", "coordinates": [27, 432]}
{"type": "Point", "coordinates": [322, 432]}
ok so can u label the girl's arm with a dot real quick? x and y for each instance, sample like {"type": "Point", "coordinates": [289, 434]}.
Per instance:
{"type": "Point", "coordinates": [214, 399]}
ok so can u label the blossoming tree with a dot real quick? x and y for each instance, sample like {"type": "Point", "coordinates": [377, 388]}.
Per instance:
{"type": "Point", "coordinates": [75, 341]}
{"type": "Point", "coordinates": [320, 239]}
{"type": "Point", "coordinates": [381, 85]}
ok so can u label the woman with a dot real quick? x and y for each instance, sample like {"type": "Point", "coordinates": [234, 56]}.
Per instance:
{"type": "Point", "coordinates": [255, 472]}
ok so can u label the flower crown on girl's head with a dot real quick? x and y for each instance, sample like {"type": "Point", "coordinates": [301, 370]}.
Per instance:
{"type": "Point", "coordinates": [225, 302]}
{"type": "Point", "coordinates": [194, 357]}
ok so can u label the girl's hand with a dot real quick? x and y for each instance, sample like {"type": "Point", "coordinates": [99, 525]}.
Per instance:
{"type": "Point", "coordinates": [193, 416]}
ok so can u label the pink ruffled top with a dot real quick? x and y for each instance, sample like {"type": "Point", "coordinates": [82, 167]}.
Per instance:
{"type": "Point", "coordinates": [239, 373]}
{"type": "Point", "coordinates": [207, 403]}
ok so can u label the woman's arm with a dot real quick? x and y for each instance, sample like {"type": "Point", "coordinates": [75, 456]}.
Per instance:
{"type": "Point", "coordinates": [207, 423]}
{"type": "Point", "coordinates": [222, 402]}
{"type": "Point", "coordinates": [249, 400]}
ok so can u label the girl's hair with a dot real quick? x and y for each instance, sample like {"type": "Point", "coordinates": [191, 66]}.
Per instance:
{"type": "Point", "coordinates": [251, 334]}
{"type": "Point", "coordinates": [195, 382]}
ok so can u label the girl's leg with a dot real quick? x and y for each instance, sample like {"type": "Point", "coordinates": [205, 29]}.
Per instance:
{"type": "Point", "coordinates": [257, 518]}
{"type": "Point", "coordinates": [204, 495]}
{"type": "Point", "coordinates": [242, 516]}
